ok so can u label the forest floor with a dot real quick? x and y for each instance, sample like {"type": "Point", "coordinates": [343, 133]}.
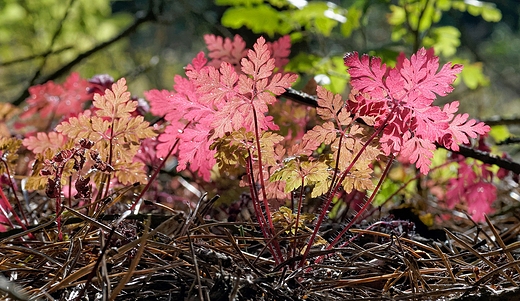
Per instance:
{"type": "Point", "coordinates": [171, 255]}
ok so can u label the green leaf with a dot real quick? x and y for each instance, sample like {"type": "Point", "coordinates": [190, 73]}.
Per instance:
{"type": "Point", "coordinates": [473, 76]}
{"type": "Point", "coordinates": [12, 12]}
{"type": "Point", "coordinates": [260, 19]}
{"type": "Point", "coordinates": [397, 15]}
{"type": "Point", "coordinates": [499, 133]}
{"type": "Point", "coordinates": [238, 2]}
{"type": "Point", "coordinates": [353, 17]}
{"type": "Point", "coordinates": [290, 173]}
{"type": "Point", "coordinates": [486, 10]}
{"type": "Point", "coordinates": [330, 68]}
{"type": "Point", "coordinates": [440, 157]}
{"type": "Point", "coordinates": [325, 25]}
{"type": "Point", "coordinates": [317, 17]}
{"type": "Point", "coordinates": [444, 39]}
{"type": "Point", "coordinates": [491, 14]}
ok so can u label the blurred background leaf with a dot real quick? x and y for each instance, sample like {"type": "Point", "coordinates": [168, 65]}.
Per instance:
{"type": "Point", "coordinates": [149, 41]}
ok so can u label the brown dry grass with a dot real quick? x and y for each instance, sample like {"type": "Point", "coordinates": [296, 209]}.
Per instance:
{"type": "Point", "coordinates": [184, 257]}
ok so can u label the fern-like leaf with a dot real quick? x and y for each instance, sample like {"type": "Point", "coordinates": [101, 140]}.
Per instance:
{"type": "Point", "coordinates": [115, 132]}
{"type": "Point", "coordinates": [45, 141]}
{"type": "Point", "coordinates": [50, 98]}
{"type": "Point", "coordinates": [217, 102]}
{"type": "Point", "coordinates": [400, 99]}
{"type": "Point", "coordinates": [225, 50]}
{"type": "Point", "coordinates": [115, 103]}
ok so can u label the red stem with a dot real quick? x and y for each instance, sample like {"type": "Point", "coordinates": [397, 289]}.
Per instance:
{"type": "Point", "coordinates": [110, 155]}
{"type": "Point", "coordinates": [11, 209]}
{"type": "Point", "coordinates": [298, 212]}
{"type": "Point", "coordinates": [258, 211]}
{"type": "Point", "coordinates": [254, 196]}
{"type": "Point", "coordinates": [336, 166]}
{"type": "Point", "coordinates": [58, 200]}
{"type": "Point", "coordinates": [11, 184]}
{"type": "Point", "coordinates": [156, 172]}
{"type": "Point", "coordinates": [278, 254]}
{"type": "Point", "coordinates": [365, 206]}
{"type": "Point", "coordinates": [260, 170]}
{"type": "Point", "coordinates": [338, 185]}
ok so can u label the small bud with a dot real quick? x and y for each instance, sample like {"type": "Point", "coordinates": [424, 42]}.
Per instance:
{"type": "Point", "coordinates": [85, 143]}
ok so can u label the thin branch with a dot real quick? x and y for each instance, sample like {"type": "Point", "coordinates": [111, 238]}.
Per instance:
{"type": "Point", "coordinates": [36, 74]}
{"type": "Point", "coordinates": [498, 120]}
{"type": "Point", "coordinates": [488, 158]}
{"type": "Point", "coordinates": [34, 56]}
{"type": "Point", "coordinates": [467, 152]}
{"type": "Point", "coordinates": [509, 140]}
{"type": "Point", "coordinates": [140, 19]}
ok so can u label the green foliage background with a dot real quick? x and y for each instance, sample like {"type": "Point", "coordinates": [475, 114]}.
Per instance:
{"type": "Point", "coordinates": [48, 39]}
{"type": "Point", "coordinates": [38, 37]}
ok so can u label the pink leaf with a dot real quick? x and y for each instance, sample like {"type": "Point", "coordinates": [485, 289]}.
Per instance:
{"type": "Point", "coordinates": [400, 99]}
{"type": "Point", "coordinates": [259, 63]}
{"type": "Point", "coordinates": [212, 102]}
{"type": "Point", "coordinates": [281, 50]}
{"type": "Point", "coordinates": [366, 75]}
{"type": "Point", "coordinates": [480, 197]}
{"type": "Point", "coordinates": [168, 139]}
{"type": "Point", "coordinates": [472, 189]}
{"type": "Point", "coordinates": [225, 50]}
{"type": "Point", "coordinates": [420, 152]}
{"type": "Point", "coordinates": [43, 141]}
{"type": "Point", "coordinates": [61, 100]}
{"type": "Point", "coordinates": [194, 150]}
{"type": "Point", "coordinates": [461, 128]}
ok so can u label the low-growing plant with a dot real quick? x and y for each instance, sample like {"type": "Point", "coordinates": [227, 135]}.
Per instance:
{"type": "Point", "coordinates": [229, 119]}
{"type": "Point", "coordinates": [389, 113]}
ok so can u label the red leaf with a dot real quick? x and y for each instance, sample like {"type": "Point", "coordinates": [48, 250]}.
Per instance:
{"type": "Point", "coordinates": [460, 128]}
{"type": "Point", "coordinates": [225, 50]}
{"type": "Point", "coordinates": [259, 63]}
{"type": "Point", "coordinates": [215, 101]}
{"type": "Point", "coordinates": [366, 75]}
{"type": "Point", "coordinates": [407, 92]}
{"type": "Point", "coordinates": [280, 50]}
{"type": "Point", "coordinates": [43, 141]}
{"type": "Point", "coordinates": [473, 189]}
{"type": "Point", "coordinates": [194, 150]}
{"type": "Point", "coordinates": [421, 79]}
{"type": "Point", "coordinates": [168, 139]}
{"type": "Point", "coordinates": [480, 197]}
{"type": "Point", "coordinates": [60, 100]}
{"type": "Point", "coordinates": [419, 151]}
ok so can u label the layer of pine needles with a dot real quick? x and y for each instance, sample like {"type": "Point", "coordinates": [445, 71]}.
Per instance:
{"type": "Point", "coordinates": [179, 256]}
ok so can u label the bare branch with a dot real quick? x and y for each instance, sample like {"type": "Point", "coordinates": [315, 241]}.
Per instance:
{"type": "Point", "coordinates": [467, 152]}
{"type": "Point", "coordinates": [498, 120]}
{"type": "Point", "coordinates": [140, 19]}
{"type": "Point", "coordinates": [34, 56]}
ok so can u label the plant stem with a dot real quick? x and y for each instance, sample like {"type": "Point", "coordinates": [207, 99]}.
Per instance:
{"type": "Point", "coordinates": [156, 172]}
{"type": "Point", "coordinates": [261, 173]}
{"type": "Point", "coordinates": [338, 185]}
{"type": "Point", "coordinates": [332, 182]}
{"type": "Point", "coordinates": [110, 156]}
{"type": "Point", "coordinates": [278, 254]}
{"type": "Point", "coordinates": [258, 209]}
{"type": "Point", "coordinates": [11, 184]}
{"type": "Point", "coordinates": [11, 209]}
{"type": "Point", "coordinates": [365, 206]}
{"type": "Point", "coordinates": [298, 213]}
{"type": "Point", "coordinates": [254, 196]}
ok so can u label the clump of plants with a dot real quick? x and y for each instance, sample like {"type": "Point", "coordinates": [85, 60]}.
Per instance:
{"type": "Point", "coordinates": [232, 124]}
